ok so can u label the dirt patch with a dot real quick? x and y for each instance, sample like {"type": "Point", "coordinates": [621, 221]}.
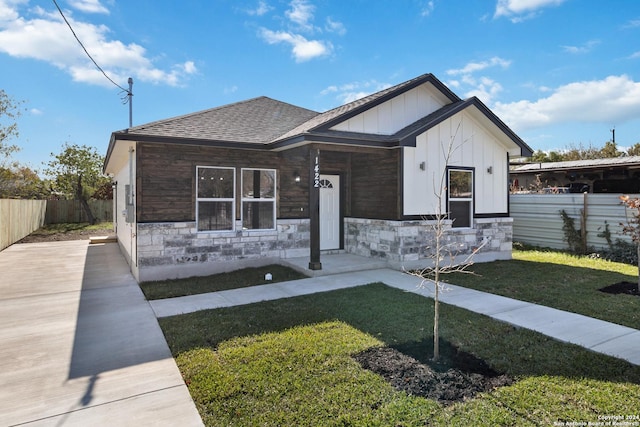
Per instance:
{"type": "Point", "coordinates": [44, 236]}
{"type": "Point", "coordinates": [441, 382]}
{"type": "Point", "coordinates": [629, 288]}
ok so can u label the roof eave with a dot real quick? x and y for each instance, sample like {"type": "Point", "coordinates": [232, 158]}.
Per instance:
{"type": "Point", "coordinates": [311, 137]}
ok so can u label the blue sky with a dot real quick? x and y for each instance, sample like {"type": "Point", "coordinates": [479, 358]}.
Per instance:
{"type": "Point", "coordinates": [559, 72]}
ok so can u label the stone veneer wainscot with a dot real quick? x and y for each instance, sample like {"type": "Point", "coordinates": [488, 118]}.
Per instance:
{"type": "Point", "coordinates": [409, 244]}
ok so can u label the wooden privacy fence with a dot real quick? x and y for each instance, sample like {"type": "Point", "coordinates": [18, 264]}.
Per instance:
{"type": "Point", "coordinates": [59, 211]}
{"type": "Point", "coordinates": [19, 218]}
{"type": "Point", "coordinates": [537, 220]}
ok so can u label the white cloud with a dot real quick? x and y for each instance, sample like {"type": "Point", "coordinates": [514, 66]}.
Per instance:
{"type": "Point", "coordinates": [301, 13]}
{"type": "Point", "coordinates": [36, 112]}
{"type": "Point", "coordinates": [615, 99]}
{"type": "Point", "coordinates": [8, 9]}
{"type": "Point", "coordinates": [301, 48]}
{"type": "Point", "coordinates": [472, 67]}
{"type": "Point", "coordinates": [585, 48]}
{"type": "Point", "coordinates": [300, 17]}
{"type": "Point", "coordinates": [483, 87]}
{"type": "Point", "coordinates": [189, 67]}
{"type": "Point", "coordinates": [427, 9]}
{"type": "Point", "coordinates": [89, 6]}
{"type": "Point", "coordinates": [335, 27]}
{"type": "Point", "coordinates": [262, 9]}
{"type": "Point", "coordinates": [44, 36]}
{"type": "Point", "coordinates": [634, 23]}
{"type": "Point", "coordinates": [520, 10]}
{"type": "Point", "coordinates": [350, 92]}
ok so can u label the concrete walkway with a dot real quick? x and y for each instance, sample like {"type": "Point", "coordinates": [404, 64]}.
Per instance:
{"type": "Point", "coordinates": [597, 335]}
{"type": "Point", "coordinates": [80, 346]}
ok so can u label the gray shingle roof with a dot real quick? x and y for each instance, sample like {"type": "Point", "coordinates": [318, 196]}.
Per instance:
{"type": "Point", "coordinates": [258, 120]}
{"type": "Point", "coordinates": [273, 124]}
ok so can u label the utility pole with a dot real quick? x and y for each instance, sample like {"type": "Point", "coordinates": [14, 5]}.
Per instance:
{"type": "Point", "coordinates": [613, 136]}
{"type": "Point", "coordinates": [130, 96]}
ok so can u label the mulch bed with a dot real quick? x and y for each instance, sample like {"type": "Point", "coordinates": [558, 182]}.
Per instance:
{"type": "Point", "coordinates": [629, 288]}
{"type": "Point", "coordinates": [445, 384]}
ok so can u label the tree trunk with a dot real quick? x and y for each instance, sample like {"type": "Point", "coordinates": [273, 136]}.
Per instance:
{"type": "Point", "coordinates": [436, 325]}
{"type": "Point", "coordinates": [83, 201]}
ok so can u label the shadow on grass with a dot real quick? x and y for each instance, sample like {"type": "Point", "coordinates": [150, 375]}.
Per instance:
{"type": "Point", "coordinates": [404, 321]}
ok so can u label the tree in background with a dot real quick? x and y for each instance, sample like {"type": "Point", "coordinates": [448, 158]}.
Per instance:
{"type": "Point", "coordinates": [634, 150]}
{"type": "Point", "coordinates": [582, 152]}
{"type": "Point", "coordinates": [9, 113]}
{"type": "Point", "coordinates": [632, 227]}
{"type": "Point", "coordinates": [77, 174]}
{"type": "Point", "coordinates": [610, 150]}
{"type": "Point", "coordinates": [21, 182]}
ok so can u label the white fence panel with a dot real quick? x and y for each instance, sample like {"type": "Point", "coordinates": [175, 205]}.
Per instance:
{"type": "Point", "coordinates": [537, 220]}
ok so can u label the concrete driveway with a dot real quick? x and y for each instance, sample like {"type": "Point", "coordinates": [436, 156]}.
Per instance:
{"type": "Point", "coordinates": [79, 343]}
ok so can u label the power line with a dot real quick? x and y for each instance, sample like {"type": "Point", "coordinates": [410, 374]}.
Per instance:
{"type": "Point", "coordinates": [127, 91]}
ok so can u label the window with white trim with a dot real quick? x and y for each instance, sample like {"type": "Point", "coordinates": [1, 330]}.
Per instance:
{"type": "Point", "coordinates": [258, 199]}
{"type": "Point", "coordinates": [460, 195]}
{"type": "Point", "coordinates": [215, 198]}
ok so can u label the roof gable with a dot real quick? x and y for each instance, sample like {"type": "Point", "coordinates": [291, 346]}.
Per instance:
{"type": "Point", "coordinates": [258, 120]}
{"type": "Point", "coordinates": [332, 118]}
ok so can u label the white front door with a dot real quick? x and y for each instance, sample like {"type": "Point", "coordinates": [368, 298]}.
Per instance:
{"type": "Point", "coordinates": [329, 212]}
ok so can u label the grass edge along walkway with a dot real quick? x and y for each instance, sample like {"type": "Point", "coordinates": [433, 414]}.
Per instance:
{"type": "Point", "coordinates": [556, 381]}
{"type": "Point", "coordinates": [597, 335]}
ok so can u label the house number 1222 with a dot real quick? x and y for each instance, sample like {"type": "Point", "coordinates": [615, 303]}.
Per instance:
{"type": "Point", "coordinates": [316, 174]}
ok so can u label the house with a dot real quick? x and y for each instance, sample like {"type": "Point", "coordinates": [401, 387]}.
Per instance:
{"type": "Point", "coordinates": [607, 175]}
{"type": "Point", "coordinates": [261, 180]}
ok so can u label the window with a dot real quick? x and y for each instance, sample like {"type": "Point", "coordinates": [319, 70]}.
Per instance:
{"type": "Point", "coordinates": [258, 199]}
{"type": "Point", "coordinates": [215, 201]}
{"type": "Point", "coordinates": [460, 194]}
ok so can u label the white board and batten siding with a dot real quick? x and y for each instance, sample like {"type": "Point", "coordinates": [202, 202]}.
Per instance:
{"type": "Point", "coordinates": [396, 113]}
{"type": "Point", "coordinates": [537, 220]}
{"type": "Point", "coordinates": [473, 147]}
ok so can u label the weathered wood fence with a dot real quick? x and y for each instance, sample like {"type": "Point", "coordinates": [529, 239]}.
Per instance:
{"type": "Point", "coordinates": [19, 218]}
{"type": "Point", "coordinates": [537, 220]}
{"type": "Point", "coordinates": [60, 211]}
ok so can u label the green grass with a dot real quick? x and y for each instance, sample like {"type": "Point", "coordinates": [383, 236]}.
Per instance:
{"type": "Point", "coordinates": [218, 282]}
{"type": "Point", "coordinates": [287, 362]}
{"type": "Point", "coordinates": [558, 280]}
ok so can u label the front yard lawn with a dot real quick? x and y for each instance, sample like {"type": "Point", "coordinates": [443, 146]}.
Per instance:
{"type": "Point", "coordinates": [559, 280]}
{"type": "Point", "coordinates": [218, 282]}
{"type": "Point", "coordinates": [288, 362]}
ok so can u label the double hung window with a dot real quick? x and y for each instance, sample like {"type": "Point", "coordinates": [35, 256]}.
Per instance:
{"type": "Point", "coordinates": [215, 201]}
{"type": "Point", "coordinates": [258, 199]}
{"type": "Point", "coordinates": [460, 196]}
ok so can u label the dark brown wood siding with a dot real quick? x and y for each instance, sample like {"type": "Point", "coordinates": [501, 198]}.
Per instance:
{"type": "Point", "coordinates": [375, 185]}
{"type": "Point", "coordinates": [166, 179]}
{"type": "Point", "coordinates": [294, 196]}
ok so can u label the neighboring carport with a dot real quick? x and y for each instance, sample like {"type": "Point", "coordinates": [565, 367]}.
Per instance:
{"type": "Point", "coordinates": [80, 344]}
